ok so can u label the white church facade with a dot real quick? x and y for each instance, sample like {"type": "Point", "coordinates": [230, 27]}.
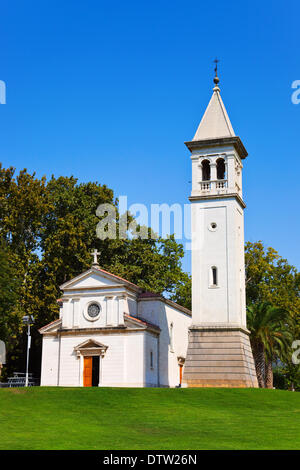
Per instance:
{"type": "Point", "coordinates": [111, 333]}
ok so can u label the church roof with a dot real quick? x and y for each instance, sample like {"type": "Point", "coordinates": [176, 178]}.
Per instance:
{"type": "Point", "coordinates": [53, 325]}
{"type": "Point", "coordinates": [141, 293]}
{"type": "Point", "coordinates": [152, 296]}
{"type": "Point", "coordinates": [97, 269]}
{"type": "Point", "coordinates": [116, 277]}
{"type": "Point", "coordinates": [147, 295]}
{"type": "Point", "coordinates": [215, 122]}
{"type": "Point", "coordinates": [141, 321]}
{"type": "Point", "coordinates": [215, 127]}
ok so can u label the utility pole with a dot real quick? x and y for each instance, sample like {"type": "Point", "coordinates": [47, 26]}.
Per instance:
{"type": "Point", "coordinates": [28, 320]}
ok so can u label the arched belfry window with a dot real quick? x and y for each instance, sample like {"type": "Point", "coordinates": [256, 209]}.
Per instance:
{"type": "Point", "coordinates": [205, 170]}
{"type": "Point", "coordinates": [220, 169]}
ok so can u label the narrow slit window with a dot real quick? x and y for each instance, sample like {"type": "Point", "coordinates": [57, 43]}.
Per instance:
{"type": "Point", "coordinates": [171, 337]}
{"type": "Point", "coordinates": [214, 276]}
{"type": "Point", "coordinates": [151, 360]}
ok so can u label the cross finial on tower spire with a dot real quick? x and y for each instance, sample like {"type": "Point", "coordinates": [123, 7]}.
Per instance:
{"type": "Point", "coordinates": [216, 79]}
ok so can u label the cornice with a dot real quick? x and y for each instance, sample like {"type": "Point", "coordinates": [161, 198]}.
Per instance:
{"type": "Point", "coordinates": [219, 328]}
{"type": "Point", "coordinates": [205, 143]}
{"type": "Point", "coordinates": [218, 196]}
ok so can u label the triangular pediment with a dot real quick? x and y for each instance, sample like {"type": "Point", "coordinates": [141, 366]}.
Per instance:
{"type": "Point", "coordinates": [51, 327]}
{"type": "Point", "coordinates": [90, 347]}
{"type": "Point", "coordinates": [96, 278]}
{"type": "Point", "coordinates": [90, 344]}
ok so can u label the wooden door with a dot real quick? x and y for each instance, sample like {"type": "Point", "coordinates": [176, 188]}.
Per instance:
{"type": "Point", "coordinates": [87, 371]}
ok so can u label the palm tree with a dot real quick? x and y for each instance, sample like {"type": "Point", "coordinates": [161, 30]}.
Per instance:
{"type": "Point", "coordinates": [269, 338]}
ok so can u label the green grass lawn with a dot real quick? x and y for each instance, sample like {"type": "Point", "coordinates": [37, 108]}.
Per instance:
{"type": "Point", "coordinates": [170, 419]}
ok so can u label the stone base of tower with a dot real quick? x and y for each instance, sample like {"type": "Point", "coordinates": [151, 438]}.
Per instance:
{"type": "Point", "coordinates": [219, 356]}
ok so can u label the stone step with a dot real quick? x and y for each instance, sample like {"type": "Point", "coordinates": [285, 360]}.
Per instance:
{"type": "Point", "coordinates": [213, 375]}
{"type": "Point", "coordinates": [227, 368]}
{"type": "Point", "coordinates": [222, 361]}
{"type": "Point", "coordinates": [212, 351]}
{"type": "Point", "coordinates": [205, 383]}
{"type": "Point", "coordinates": [219, 358]}
{"type": "Point", "coordinates": [220, 345]}
{"type": "Point", "coordinates": [206, 334]}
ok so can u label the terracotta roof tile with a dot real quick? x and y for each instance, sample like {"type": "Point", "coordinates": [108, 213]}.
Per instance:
{"type": "Point", "coordinates": [147, 294]}
{"type": "Point", "coordinates": [114, 275]}
{"type": "Point", "coordinates": [141, 320]}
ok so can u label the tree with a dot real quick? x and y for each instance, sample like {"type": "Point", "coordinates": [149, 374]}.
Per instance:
{"type": "Point", "coordinates": [270, 338]}
{"type": "Point", "coordinates": [50, 229]}
{"type": "Point", "coordinates": [23, 203]}
{"type": "Point", "coordinates": [270, 278]}
{"type": "Point", "coordinates": [183, 291]}
{"type": "Point", "coordinates": [9, 285]}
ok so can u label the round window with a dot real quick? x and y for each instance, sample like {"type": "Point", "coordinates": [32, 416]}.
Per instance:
{"type": "Point", "coordinates": [212, 226]}
{"type": "Point", "coordinates": [93, 310]}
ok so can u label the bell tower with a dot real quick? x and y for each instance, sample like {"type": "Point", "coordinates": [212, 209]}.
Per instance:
{"type": "Point", "coordinates": [219, 352]}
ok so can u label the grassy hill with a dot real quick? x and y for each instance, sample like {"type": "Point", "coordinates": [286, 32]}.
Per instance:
{"type": "Point", "coordinates": [106, 418]}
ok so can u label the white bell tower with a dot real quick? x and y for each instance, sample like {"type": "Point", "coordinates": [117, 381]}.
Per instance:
{"type": "Point", "coordinates": [219, 352]}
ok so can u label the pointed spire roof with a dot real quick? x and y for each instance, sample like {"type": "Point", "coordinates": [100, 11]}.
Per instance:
{"type": "Point", "coordinates": [215, 127]}
{"type": "Point", "coordinates": [215, 123]}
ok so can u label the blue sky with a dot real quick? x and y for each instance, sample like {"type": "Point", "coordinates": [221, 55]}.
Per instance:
{"type": "Point", "coordinates": [109, 91]}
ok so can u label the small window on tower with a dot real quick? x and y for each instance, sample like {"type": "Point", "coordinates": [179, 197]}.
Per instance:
{"type": "Point", "coordinates": [220, 169]}
{"type": "Point", "coordinates": [205, 170]}
{"type": "Point", "coordinates": [214, 272]}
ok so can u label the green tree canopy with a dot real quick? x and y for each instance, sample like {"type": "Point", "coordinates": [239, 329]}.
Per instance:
{"type": "Point", "coordinates": [49, 228]}
{"type": "Point", "coordinates": [270, 278]}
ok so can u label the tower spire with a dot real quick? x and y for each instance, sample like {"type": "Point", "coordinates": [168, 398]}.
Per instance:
{"type": "Point", "coordinates": [215, 123]}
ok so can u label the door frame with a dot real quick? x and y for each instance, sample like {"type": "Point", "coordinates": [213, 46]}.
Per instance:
{"type": "Point", "coordinates": [90, 348]}
{"type": "Point", "coordinates": [81, 368]}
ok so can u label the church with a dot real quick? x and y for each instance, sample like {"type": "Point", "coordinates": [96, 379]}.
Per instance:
{"type": "Point", "coordinates": [111, 333]}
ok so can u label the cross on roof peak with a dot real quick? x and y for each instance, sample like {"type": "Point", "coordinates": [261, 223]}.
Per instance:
{"type": "Point", "coordinates": [95, 253]}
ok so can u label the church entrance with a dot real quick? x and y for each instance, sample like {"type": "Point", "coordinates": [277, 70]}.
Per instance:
{"type": "Point", "coordinates": [91, 353]}
{"type": "Point", "coordinates": [95, 371]}
{"type": "Point", "coordinates": [91, 371]}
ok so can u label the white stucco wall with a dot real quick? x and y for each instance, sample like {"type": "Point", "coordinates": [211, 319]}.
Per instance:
{"type": "Point", "coordinates": [222, 247]}
{"type": "Point", "coordinates": [151, 373]}
{"type": "Point", "coordinates": [127, 358]}
{"type": "Point", "coordinates": [163, 315]}
{"type": "Point", "coordinates": [112, 305]}
{"type": "Point", "coordinates": [123, 364]}
{"type": "Point", "coordinates": [49, 372]}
